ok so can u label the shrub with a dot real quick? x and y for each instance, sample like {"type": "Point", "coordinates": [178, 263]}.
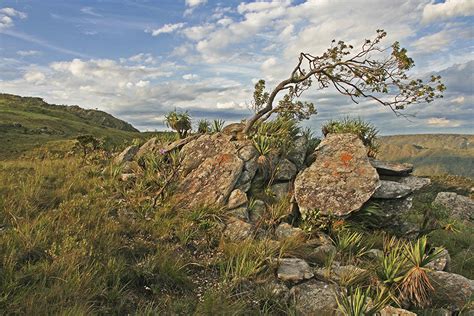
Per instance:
{"type": "Point", "coordinates": [204, 126]}
{"type": "Point", "coordinates": [366, 132]}
{"type": "Point", "coordinates": [180, 122]}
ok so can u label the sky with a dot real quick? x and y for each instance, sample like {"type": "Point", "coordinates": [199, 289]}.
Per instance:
{"type": "Point", "coordinates": [139, 59]}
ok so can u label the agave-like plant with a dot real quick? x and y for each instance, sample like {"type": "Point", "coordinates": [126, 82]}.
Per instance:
{"type": "Point", "coordinates": [416, 285]}
{"type": "Point", "coordinates": [392, 262]}
{"type": "Point", "coordinates": [217, 126]}
{"type": "Point", "coordinates": [350, 244]}
{"type": "Point", "coordinates": [362, 302]}
{"type": "Point", "coordinates": [263, 146]}
{"type": "Point", "coordinates": [204, 126]}
{"type": "Point", "coordinates": [180, 122]}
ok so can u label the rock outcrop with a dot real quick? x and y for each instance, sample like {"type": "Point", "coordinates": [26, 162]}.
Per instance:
{"type": "Point", "coordinates": [460, 207]}
{"type": "Point", "coordinates": [340, 180]}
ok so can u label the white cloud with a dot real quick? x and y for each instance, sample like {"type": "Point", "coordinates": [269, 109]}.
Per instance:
{"type": "Point", "coordinates": [167, 28]}
{"type": "Point", "coordinates": [7, 15]}
{"type": "Point", "coordinates": [25, 53]}
{"type": "Point", "coordinates": [197, 33]}
{"type": "Point", "coordinates": [443, 122]}
{"type": "Point", "coordinates": [446, 10]}
{"type": "Point", "coordinates": [190, 76]}
{"type": "Point", "coordinates": [459, 100]}
{"type": "Point", "coordinates": [34, 76]}
{"type": "Point", "coordinates": [90, 11]}
{"type": "Point", "coordinates": [195, 3]}
{"type": "Point", "coordinates": [146, 58]}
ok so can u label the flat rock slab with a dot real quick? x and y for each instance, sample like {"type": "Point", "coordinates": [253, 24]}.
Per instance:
{"type": "Point", "coordinates": [391, 190]}
{"type": "Point", "coordinates": [385, 168]}
{"type": "Point", "coordinates": [293, 270]}
{"type": "Point", "coordinates": [451, 289]}
{"type": "Point", "coordinates": [460, 207]}
{"type": "Point", "coordinates": [340, 180]}
{"type": "Point", "coordinates": [285, 230]}
{"type": "Point", "coordinates": [415, 183]}
{"type": "Point", "coordinates": [211, 182]}
{"type": "Point", "coordinates": [126, 155]}
{"type": "Point", "coordinates": [315, 298]}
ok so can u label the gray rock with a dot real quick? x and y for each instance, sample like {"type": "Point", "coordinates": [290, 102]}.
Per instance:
{"type": "Point", "coordinates": [247, 152]}
{"type": "Point", "coordinates": [315, 298]}
{"type": "Point", "coordinates": [241, 213]}
{"type": "Point", "coordinates": [280, 190]}
{"type": "Point", "coordinates": [298, 154]}
{"type": "Point", "coordinates": [385, 168]}
{"type": "Point", "coordinates": [237, 198]}
{"type": "Point", "coordinates": [442, 263]}
{"type": "Point", "coordinates": [461, 207]}
{"type": "Point", "coordinates": [415, 183]}
{"type": "Point", "coordinates": [391, 190]}
{"type": "Point", "coordinates": [286, 170]}
{"type": "Point", "coordinates": [340, 180]}
{"type": "Point", "coordinates": [321, 254]}
{"type": "Point", "coordinates": [293, 270]}
{"type": "Point", "coordinates": [285, 230]}
{"type": "Point", "coordinates": [237, 230]}
{"type": "Point", "coordinates": [126, 155]}
{"type": "Point", "coordinates": [339, 274]}
{"type": "Point", "coordinates": [257, 210]}
{"type": "Point", "coordinates": [450, 289]}
{"type": "Point", "coordinates": [435, 312]}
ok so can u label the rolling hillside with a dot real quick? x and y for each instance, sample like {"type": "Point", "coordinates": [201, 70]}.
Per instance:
{"type": "Point", "coordinates": [432, 154]}
{"type": "Point", "coordinates": [27, 123]}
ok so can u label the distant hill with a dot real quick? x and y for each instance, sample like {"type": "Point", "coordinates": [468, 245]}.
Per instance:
{"type": "Point", "coordinates": [432, 154]}
{"type": "Point", "coordinates": [27, 122]}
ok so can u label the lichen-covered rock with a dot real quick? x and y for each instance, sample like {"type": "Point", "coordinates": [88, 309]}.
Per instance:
{"type": "Point", "coordinates": [321, 254]}
{"type": "Point", "coordinates": [241, 213]}
{"type": "Point", "coordinates": [340, 273]}
{"type": "Point", "coordinates": [286, 170]}
{"type": "Point", "coordinates": [450, 290]}
{"type": "Point", "coordinates": [247, 152]}
{"type": "Point", "coordinates": [460, 207]}
{"type": "Point", "coordinates": [237, 230]}
{"type": "Point", "coordinates": [235, 130]}
{"type": "Point", "coordinates": [315, 298]}
{"type": "Point", "coordinates": [340, 180]}
{"type": "Point", "coordinates": [285, 230]}
{"type": "Point", "coordinates": [393, 311]}
{"type": "Point", "coordinates": [391, 190]}
{"type": "Point", "coordinates": [293, 270]}
{"type": "Point", "coordinates": [126, 155]}
{"type": "Point", "coordinates": [211, 182]}
{"type": "Point", "coordinates": [385, 168]}
{"type": "Point", "coordinates": [237, 198]}
{"type": "Point", "coordinates": [442, 262]}
{"type": "Point", "coordinates": [206, 146]}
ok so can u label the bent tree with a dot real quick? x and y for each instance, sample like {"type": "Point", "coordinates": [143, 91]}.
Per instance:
{"type": "Point", "coordinates": [372, 72]}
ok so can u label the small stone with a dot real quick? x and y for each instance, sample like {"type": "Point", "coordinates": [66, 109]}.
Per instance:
{"type": "Point", "coordinates": [286, 170]}
{"type": "Point", "coordinates": [315, 298]}
{"type": "Point", "coordinates": [241, 213]}
{"type": "Point", "coordinates": [257, 210]}
{"type": "Point", "coordinates": [127, 177]}
{"type": "Point", "coordinates": [237, 198]}
{"type": "Point", "coordinates": [126, 155]}
{"type": "Point", "coordinates": [393, 311]}
{"type": "Point", "coordinates": [237, 230]}
{"type": "Point", "coordinates": [285, 230]}
{"type": "Point", "coordinates": [293, 270]}
{"type": "Point", "coordinates": [391, 190]}
{"type": "Point", "coordinates": [442, 262]}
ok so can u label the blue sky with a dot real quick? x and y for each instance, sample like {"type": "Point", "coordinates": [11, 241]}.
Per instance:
{"type": "Point", "coordinates": [138, 59]}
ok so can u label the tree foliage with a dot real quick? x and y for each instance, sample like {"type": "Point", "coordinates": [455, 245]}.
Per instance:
{"type": "Point", "coordinates": [371, 71]}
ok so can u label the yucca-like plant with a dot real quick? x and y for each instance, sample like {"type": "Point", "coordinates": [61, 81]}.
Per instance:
{"type": "Point", "coordinates": [392, 263]}
{"type": "Point", "coordinates": [263, 146]}
{"type": "Point", "coordinates": [360, 302]}
{"type": "Point", "coordinates": [180, 122]}
{"type": "Point", "coordinates": [416, 285]}
{"type": "Point", "coordinates": [350, 244]}
{"type": "Point", "coordinates": [217, 126]}
{"type": "Point", "coordinates": [204, 126]}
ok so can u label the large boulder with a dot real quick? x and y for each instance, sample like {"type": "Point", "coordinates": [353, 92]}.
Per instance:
{"type": "Point", "coordinates": [206, 146]}
{"type": "Point", "coordinates": [340, 180]}
{"type": "Point", "coordinates": [315, 298]}
{"type": "Point", "coordinates": [286, 170]}
{"type": "Point", "coordinates": [451, 290]}
{"type": "Point", "coordinates": [211, 182]}
{"type": "Point", "coordinates": [150, 146]}
{"type": "Point", "coordinates": [460, 207]}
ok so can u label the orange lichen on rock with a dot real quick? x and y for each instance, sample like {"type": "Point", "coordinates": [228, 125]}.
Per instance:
{"type": "Point", "coordinates": [345, 158]}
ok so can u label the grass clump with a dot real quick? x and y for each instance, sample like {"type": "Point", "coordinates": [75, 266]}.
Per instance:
{"type": "Point", "coordinates": [366, 132]}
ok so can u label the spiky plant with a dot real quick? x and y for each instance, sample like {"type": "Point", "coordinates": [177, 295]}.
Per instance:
{"type": "Point", "coordinates": [362, 302]}
{"type": "Point", "coordinates": [350, 244]}
{"type": "Point", "coordinates": [217, 126]}
{"type": "Point", "coordinates": [180, 122]}
{"type": "Point", "coordinates": [204, 126]}
{"type": "Point", "coordinates": [392, 262]}
{"type": "Point", "coordinates": [416, 286]}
